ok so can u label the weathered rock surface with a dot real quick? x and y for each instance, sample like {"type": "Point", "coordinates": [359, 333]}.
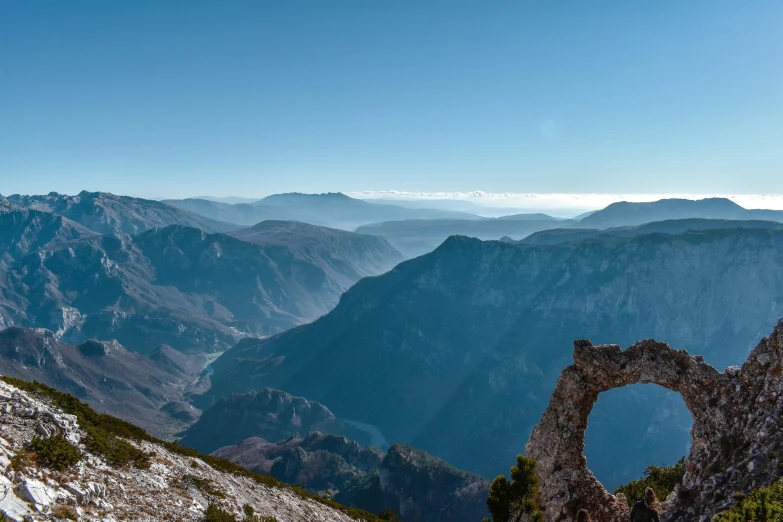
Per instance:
{"type": "Point", "coordinates": [96, 491]}
{"type": "Point", "coordinates": [737, 429]}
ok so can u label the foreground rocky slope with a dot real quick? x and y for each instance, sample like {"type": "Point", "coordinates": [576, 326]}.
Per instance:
{"type": "Point", "coordinates": [737, 443]}
{"type": "Point", "coordinates": [457, 352]}
{"type": "Point", "coordinates": [419, 487]}
{"type": "Point", "coordinates": [166, 482]}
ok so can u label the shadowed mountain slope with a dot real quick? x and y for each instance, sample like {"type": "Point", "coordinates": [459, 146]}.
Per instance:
{"type": "Point", "coordinates": [345, 256]}
{"type": "Point", "coordinates": [457, 351]}
{"type": "Point", "coordinates": [270, 414]}
{"type": "Point", "coordinates": [415, 237]}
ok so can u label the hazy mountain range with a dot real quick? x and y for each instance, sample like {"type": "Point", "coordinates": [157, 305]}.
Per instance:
{"type": "Point", "coordinates": [414, 237]}
{"type": "Point", "coordinates": [457, 351]}
{"type": "Point", "coordinates": [334, 210]}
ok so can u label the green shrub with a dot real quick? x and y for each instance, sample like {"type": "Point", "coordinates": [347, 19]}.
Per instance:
{"type": "Point", "coordinates": [762, 505]}
{"type": "Point", "coordinates": [518, 499]}
{"type": "Point", "coordinates": [215, 513]}
{"type": "Point", "coordinates": [55, 452]}
{"type": "Point", "coordinates": [662, 479]}
{"type": "Point", "coordinates": [204, 485]}
{"type": "Point", "coordinates": [389, 515]}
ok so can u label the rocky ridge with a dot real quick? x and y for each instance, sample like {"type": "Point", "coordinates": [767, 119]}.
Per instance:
{"type": "Point", "coordinates": [172, 486]}
{"type": "Point", "coordinates": [418, 486]}
{"type": "Point", "coordinates": [737, 434]}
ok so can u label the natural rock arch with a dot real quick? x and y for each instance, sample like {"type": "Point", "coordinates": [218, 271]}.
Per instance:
{"type": "Point", "coordinates": [737, 434]}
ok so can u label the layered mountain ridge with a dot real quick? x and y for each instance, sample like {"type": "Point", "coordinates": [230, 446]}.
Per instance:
{"type": "Point", "coordinates": [456, 351]}
{"type": "Point", "coordinates": [419, 487]}
{"type": "Point", "coordinates": [334, 210]}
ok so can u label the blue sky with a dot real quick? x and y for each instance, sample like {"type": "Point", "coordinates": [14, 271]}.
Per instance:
{"type": "Point", "coordinates": [173, 99]}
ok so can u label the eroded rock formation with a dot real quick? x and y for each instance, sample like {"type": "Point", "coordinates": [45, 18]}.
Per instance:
{"type": "Point", "coordinates": [737, 434]}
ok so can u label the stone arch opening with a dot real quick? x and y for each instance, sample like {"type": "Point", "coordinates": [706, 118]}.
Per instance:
{"type": "Point", "coordinates": [558, 441]}
{"type": "Point", "coordinates": [653, 429]}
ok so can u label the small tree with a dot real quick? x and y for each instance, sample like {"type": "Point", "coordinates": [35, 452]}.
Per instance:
{"type": "Point", "coordinates": [389, 515]}
{"type": "Point", "coordinates": [517, 500]}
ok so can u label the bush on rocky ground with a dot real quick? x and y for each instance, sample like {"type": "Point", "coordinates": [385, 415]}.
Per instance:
{"type": "Point", "coordinates": [662, 479]}
{"type": "Point", "coordinates": [762, 505]}
{"type": "Point", "coordinates": [55, 452]}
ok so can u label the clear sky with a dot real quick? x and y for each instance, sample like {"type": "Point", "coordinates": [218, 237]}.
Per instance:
{"type": "Point", "coordinates": [183, 98]}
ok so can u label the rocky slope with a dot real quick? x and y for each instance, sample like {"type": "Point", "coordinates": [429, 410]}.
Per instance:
{"type": "Point", "coordinates": [24, 231]}
{"type": "Point", "coordinates": [270, 414]}
{"type": "Point", "coordinates": [456, 352]}
{"type": "Point", "coordinates": [106, 375]}
{"type": "Point", "coordinates": [419, 487]}
{"type": "Point", "coordinates": [108, 214]}
{"type": "Point", "coordinates": [414, 237]}
{"type": "Point", "coordinates": [625, 213]}
{"type": "Point", "coordinates": [334, 210]}
{"type": "Point", "coordinates": [178, 286]}
{"type": "Point", "coordinates": [168, 482]}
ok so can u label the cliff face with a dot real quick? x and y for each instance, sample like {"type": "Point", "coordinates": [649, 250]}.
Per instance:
{"type": "Point", "coordinates": [457, 352]}
{"type": "Point", "coordinates": [170, 486]}
{"type": "Point", "coordinates": [737, 435]}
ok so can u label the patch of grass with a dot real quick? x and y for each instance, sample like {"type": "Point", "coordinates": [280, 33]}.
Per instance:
{"type": "Point", "coordinates": [204, 485]}
{"type": "Point", "coordinates": [55, 452]}
{"type": "Point", "coordinates": [105, 436]}
{"type": "Point", "coordinates": [64, 512]}
{"type": "Point", "coordinates": [215, 513]}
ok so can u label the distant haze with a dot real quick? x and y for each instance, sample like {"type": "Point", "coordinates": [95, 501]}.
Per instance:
{"type": "Point", "coordinates": [497, 204]}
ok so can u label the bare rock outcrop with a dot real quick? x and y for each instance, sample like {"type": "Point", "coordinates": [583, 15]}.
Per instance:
{"type": "Point", "coordinates": [737, 434]}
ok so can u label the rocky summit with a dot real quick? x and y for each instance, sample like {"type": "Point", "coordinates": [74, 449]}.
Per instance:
{"type": "Point", "coordinates": [166, 483]}
{"type": "Point", "coordinates": [737, 435]}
